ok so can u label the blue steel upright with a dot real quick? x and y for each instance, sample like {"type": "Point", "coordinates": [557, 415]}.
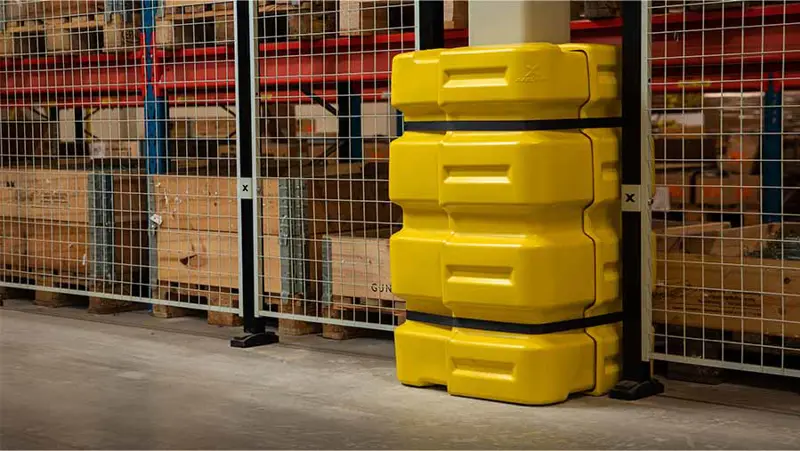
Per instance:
{"type": "Point", "coordinates": [771, 156]}
{"type": "Point", "coordinates": [155, 106]}
{"type": "Point", "coordinates": [349, 102]}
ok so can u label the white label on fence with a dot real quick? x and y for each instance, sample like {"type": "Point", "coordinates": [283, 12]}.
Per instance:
{"type": "Point", "coordinates": [631, 198]}
{"type": "Point", "coordinates": [661, 199]}
{"type": "Point", "coordinates": [246, 188]}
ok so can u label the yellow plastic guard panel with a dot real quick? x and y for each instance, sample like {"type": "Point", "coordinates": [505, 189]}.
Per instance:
{"type": "Point", "coordinates": [421, 353]}
{"type": "Point", "coordinates": [415, 257]}
{"type": "Point", "coordinates": [515, 200]}
{"type": "Point", "coordinates": [523, 369]}
{"type": "Point", "coordinates": [414, 253]}
{"type": "Point", "coordinates": [414, 88]}
{"type": "Point", "coordinates": [517, 82]}
{"type": "Point", "coordinates": [518, 254]}
{"type": "Point", "coordinates": [602, 224]}
{"type": "Point", "coordinates": [602, 218]}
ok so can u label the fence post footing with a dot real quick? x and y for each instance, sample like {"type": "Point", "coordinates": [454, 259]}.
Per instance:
{"type": "Point", "coordinates": [627, 390]}
{"type": "Point", "coordinates": [253, 340]}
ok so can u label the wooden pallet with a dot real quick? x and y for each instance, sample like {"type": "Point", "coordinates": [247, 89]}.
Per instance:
{"type": "Point", "coordinates": [361, 310]}
{"type": "Point", "coordinates": [293, 327]}
{"type": "Point", "coordinates": [198, 298]}
{"type": "Point", "coordinates": [737, 215]}
{"type": "Point", "coordinates": [93, 300]}
{"type": "Point", "coordinates": [719, 280]}
{"type": "Point", "coordinates": [195, 24]}
{"type": "Point", "coordinates": [369, 17]}
{"type": "Point", "coordinates": [69, 34]}
{"type": "Point", "coordinates": [309, 19]}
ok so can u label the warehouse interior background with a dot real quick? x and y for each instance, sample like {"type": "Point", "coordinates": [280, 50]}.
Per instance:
{"type": "Point", "coordinates": [215, 171]}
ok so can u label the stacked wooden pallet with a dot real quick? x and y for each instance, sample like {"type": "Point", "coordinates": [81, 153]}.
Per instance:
{"type": "Point", "coordinates": [743, 281]}
{"type": "Point", "coordinates": [351, 222]}
{"type": "Point", "coordinates": [195, 23]}
{"type": "Point", "coordinates": [210, 22]}
{"type": "Point", "coordinates": [33, 27]}
{"type": "Point", "coordinates": [70, 229]}
{"type": "Point", "coordinates": [198, 244]}
{"type": "Point", "coordinates": [368, 17]}
{"type": "Point", "coordinates": [359, 285]}
{"type": "Point", "coordinates": [711, 195]}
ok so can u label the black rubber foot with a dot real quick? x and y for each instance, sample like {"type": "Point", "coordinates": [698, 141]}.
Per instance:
{"type": "Point", "coordinates": [253, 340]}
{"type": "Point", "coordinates": [633, 390]}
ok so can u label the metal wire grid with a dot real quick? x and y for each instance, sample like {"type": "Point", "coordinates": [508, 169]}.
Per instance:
{"type": "Point", "coordinates": [725, 126]}
{"type": "Point", "coordinates": [324, 127]}
{"type": "Point", "coordinates": [115, 126]}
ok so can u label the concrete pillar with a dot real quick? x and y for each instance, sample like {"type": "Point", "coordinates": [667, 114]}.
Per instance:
{"type": "Point", "coordinates": [516, 21]}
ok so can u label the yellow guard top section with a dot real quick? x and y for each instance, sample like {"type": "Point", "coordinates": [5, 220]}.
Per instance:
{"type": "Point", "coordinates": [510, 82]}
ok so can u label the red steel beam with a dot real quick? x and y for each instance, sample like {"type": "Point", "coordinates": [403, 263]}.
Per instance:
{"type": "Point", "coordinates": [76, 81]}
{"type": "Point", "coordinates": [735, 36]}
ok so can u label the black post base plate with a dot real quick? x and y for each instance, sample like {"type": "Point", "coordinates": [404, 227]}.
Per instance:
{"type": "Point", "coordinates": [633, 390]}
{"type": "Point", "coordinates": [253, 340]}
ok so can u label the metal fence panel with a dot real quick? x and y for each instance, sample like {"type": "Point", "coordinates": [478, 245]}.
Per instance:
{"type": "Point", "coordinates": [726, 207]}
{"type": "Point", "coordinates": [324, 127]}
{"type": "Point", "coordinates": [117, 154]}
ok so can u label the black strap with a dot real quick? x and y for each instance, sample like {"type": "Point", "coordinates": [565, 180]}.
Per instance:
{"type": "Point", "coordinates": [515, 328]}
{"type": "Point", "coordinates": [514, 126]}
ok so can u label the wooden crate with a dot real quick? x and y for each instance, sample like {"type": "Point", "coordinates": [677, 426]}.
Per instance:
{"type": "Point", "coordinates": [80, 33]}
{"type": "Point", "coordinates": [209, 258]}
{"type": "Point", "coordinates": [59, 195]}
{"type": "Point", "coordinates": [368, 17]}
{"type": "Point", "coordinates": [63, 248]}
{"type": "Point", "coordinates": [348, 202]}
{"type": "Point", "coordinates": [198, 242]}
{"type": "Point", "coordinates": [195, 23]}
{"type": "Point", "coordinates": [198, 295]}
{"type": "Point", "coordinates": [359, 268]}
{"type": "Point", "coordinates": [292, 19]}
{"type": "Point", "coordinates": [359, 284]}
{"type": "Point", "coordinates": [720, 274]}
{"type": "Point", "coordinates": [13, 246]}
{"type": "Point", "coordinates": [601, 9]}
{"type": "Point", "coordinates": [53, 205]}
{"type": "Point", "coordinates": [456, 14]}
{"type": "Point", "coordinates": [48, 9]}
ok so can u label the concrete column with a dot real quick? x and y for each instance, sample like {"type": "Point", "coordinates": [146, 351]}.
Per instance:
{"type": "Point", "coordinates": [516, 21]}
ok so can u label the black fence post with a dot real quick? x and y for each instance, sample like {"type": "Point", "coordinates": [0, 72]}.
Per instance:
{"type": "Point", "coordinates": [637, 381]}
{"type": "Point", "coordinates": [430, 14]}
{"type": "Point", "coordinates": [254, 327]}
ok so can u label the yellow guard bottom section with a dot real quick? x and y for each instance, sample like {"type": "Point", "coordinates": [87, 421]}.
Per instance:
{"type": "Point", "coordinates": [516, 368]}
{"type": "Point", "coordinates": [421, 353]}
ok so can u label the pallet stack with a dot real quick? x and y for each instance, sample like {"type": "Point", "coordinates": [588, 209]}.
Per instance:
{"type": "Point", "coordinates": [75, 229]}
{"type": "Point", "coordinates": [198, 245]}
{"type": "Point", "coordinates": [369, 17]}
{"type": "Point", "coordinates": [190, 23]}
{"type": "Point", "coordinates": [741, 284]}
{"type": "Point", "coordinates": [32, 27]}
{"type": "Point", "coordinates": [351, 222]}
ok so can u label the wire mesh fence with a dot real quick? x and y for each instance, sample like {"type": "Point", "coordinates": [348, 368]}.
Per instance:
{"type": "Point", "coordinates": [116, 154]}
{"type": "Point", "coordinates": [324, 127]}
{"type": "Point", "coordinates": [724, 112]}
{"type": "Point", "coordinates": [119, 154]}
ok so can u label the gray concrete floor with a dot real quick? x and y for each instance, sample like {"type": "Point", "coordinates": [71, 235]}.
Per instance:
{"type": "Point", "coordinates": [72, 383]}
